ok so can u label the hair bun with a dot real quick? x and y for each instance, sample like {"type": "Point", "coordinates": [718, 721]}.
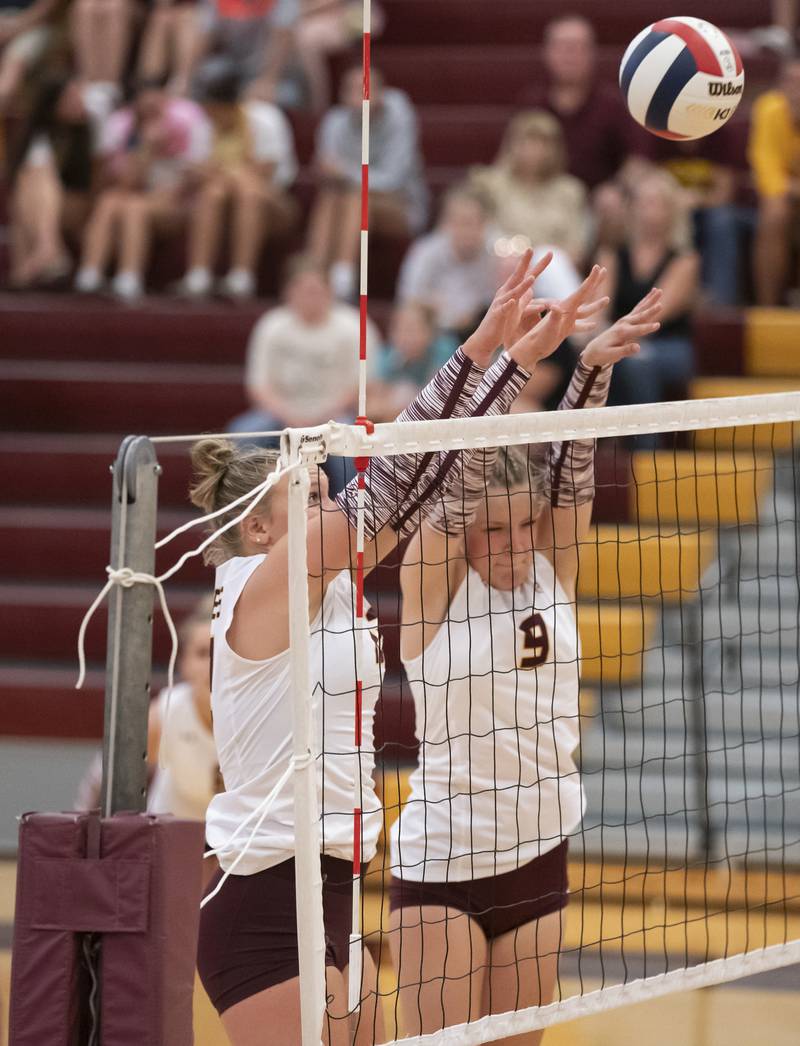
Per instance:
{"type": "Point", "coordinates": [210, 460]}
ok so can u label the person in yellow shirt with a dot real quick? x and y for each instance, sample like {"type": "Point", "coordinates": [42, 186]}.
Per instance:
{"type": "Point", "coordinates": [774, 153]}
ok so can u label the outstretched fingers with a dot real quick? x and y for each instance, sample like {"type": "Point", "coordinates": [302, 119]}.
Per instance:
{"type": "Point", "coordinates": [518, 273]}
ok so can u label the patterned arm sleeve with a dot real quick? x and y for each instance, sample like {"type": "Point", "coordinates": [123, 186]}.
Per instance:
{"type": "Point", "coordinates": [400, 489]}
{"type": "Point", "coordinates": [571, 462]}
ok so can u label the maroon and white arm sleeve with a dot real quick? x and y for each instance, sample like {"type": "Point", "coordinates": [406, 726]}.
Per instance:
{"type": "Point", "coordinates": [398, 488]}
{"type": "Point", "coordinates": [571, 463]}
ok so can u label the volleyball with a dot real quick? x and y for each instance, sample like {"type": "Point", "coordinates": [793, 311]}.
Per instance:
{"type": "Point", "coordinates": [682, 78]}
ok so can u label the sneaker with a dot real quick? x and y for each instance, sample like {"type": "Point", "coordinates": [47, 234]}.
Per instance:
{"type": "Point", "coordinates": [197, 283]}
{"type": "Point", "coordinates": [127, 286]}
{"type": "Point", "coordinates": [239, 284]}
{"type": "Point", "coordinates": [88, 281]}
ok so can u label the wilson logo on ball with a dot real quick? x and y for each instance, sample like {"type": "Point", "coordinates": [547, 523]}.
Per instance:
{"type": "Point", "coordinates": [725, 88]}
{"type": "Point", "coordinates": [673, 65]}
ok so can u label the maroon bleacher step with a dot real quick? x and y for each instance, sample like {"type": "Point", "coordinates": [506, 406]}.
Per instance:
{"type": "Point", "coordinates": [55, 545]}
{"type": "Point", "coordinates": [41, 621]}
{"type": "Point", "coordinates": [521, 21]}
{"type": "Point", "coordinates": [43, 702]}
{"type": "Point", "coordinates": [440, 74]}
{"type": "Point", "coordinates": [119, 397]}
{"type": "Point", "coordinates": [75, 470]}
{"type": "Point", "coordinates": [160, 330]}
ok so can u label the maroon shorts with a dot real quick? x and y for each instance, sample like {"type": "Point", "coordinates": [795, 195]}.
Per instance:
{"type": "Point", "coordinates": [498, 903]}
{"type": "Point", "coordinates": [248, 932]}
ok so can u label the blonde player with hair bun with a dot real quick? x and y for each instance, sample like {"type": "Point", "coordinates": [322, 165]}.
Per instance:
{"type": "Point", "coordinates": [489, 644]}
{"type": "Point", "coordinates": [247, 955]}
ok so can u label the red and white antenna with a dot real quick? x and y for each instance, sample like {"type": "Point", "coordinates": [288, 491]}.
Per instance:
{"type": "Point", "coordinates": [361, 624]}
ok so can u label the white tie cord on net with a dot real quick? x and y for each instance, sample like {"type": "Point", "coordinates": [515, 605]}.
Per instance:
{"type": "Point", "coordinates": [127, 578]}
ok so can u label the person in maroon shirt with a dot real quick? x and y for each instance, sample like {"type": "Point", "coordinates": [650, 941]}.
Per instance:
{"type": "Point", "coordinates": [600, 134]}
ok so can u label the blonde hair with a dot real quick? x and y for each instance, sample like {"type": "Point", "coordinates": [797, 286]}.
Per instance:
{"type": "Point", "coordinates": [680, 233]}
{"type": "Point", "coordinates": [536, 123]}
{"type": "Point", "coordinates": [521, 466]}
{"type": "Point", "coordinates": [223, 473]}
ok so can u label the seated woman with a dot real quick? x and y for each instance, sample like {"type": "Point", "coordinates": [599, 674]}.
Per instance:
{"type": "Point", "coordinates": [532, 194]}
{"type": "Point", "coordinates": [657, 251]}
{"type": "Point", "coordinates": [252, 164]}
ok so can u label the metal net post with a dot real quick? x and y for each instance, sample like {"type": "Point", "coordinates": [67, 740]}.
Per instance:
{"type": "Point", "coordinates": [130, 628]}
{"type": "Point", "coordinates": [308, 878]}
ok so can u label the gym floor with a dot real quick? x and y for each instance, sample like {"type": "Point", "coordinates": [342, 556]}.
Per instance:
{"type": "Point", "coordinates": [764, 1010]}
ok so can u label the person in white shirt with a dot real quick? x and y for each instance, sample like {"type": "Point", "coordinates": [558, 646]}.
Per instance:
{"type": "Point", "coordinates": [252, 164]}
{"type": "Point", "coordinates": [302, 357]}
{"type": "Point", "coordinates": [490, 648]}
{"type": "Point", "coordinates": [247, 956]}
{"type": "Point", "coordinates": [180, 739]}
{"type": "Point", "coordinates": [183, 767]}
{"type": "Point", "coordinates": [455, 268]}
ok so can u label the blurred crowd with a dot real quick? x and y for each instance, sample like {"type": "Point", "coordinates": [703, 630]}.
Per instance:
{"type": "Point", "coordinates": [126, 124]}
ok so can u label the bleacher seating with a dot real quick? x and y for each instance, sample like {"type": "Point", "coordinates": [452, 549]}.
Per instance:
{"type": "Point", "coordinates": [80, 374]}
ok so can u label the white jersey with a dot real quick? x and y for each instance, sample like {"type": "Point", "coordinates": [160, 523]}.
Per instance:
{"type": "Point", "coordinates": [187, 781]}
{"type": "Point", "coordinates": [252, 708]}
{"type": "Point", "coordinates": [496, 699]}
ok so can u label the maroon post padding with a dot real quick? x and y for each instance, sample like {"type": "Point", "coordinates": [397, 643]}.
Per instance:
{"type": "Point", "coordinates": [140, 893]}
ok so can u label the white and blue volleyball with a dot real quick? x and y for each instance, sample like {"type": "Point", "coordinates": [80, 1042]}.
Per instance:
{"type": "Point", "coordinates": [682, 78]}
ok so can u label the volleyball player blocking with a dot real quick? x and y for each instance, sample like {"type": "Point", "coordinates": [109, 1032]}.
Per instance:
{"type": "Point", "coordinates": [248, 945]}
{"type": "Point", "coordinates": [489, 643]}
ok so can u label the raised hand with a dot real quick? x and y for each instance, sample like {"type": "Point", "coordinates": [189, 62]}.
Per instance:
{"type": "Point", "coordinates": [482, 345]}
{"type": "Point", "coordinates": [622, 339]}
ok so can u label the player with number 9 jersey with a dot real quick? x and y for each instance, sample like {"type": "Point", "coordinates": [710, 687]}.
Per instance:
{"type": "Point", "coordinates": [489, 642]}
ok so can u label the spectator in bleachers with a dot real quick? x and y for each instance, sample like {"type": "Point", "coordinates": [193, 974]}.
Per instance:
{"type": "Point", "coordinates": [531, 194]}
{"type": "Point", "coordinates": [252, 164]}
{"type": "Point", "coordinates": [52, 175]}
{"type": "Point", "coordinates": [26, 29]}
{"type": "Point", "coordinates": [302, 357]}
{"type": "Point", "coordinates": [706, 170]}
{"type": "Point", "coordinates": [415, 350]}
{"type": "Point", "coordinates": [179, 730]}
{"type": "Point", "coordinates": [599, 134]}
{"type": "Point", "coordinates": [170, 44]}
{"type": "Point", "coordinates": [774, 154]}
{"type": "Point", "coordinates": [102, 34]}
{"type": "Point", "coordinates": [150, 151]}
{"type": "Point", "coordinates": [324, 30]}
{"type": "Point", "coordinates": [398, 200]}
{"type": "Point", "coordinates": [454, 270]}
{"type": "Point", "coordinates": [657, 252]}
{"type": "Point", "coordinates": [251, 39]}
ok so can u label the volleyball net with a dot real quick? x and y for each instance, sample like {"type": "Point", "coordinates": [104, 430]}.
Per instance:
{"type": "Point", "coordinates": [619, 757]}
{"type": "Point", "coordinates": [661, 739]}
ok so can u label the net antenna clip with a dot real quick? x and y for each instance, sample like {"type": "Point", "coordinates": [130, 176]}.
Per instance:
{"type": "Point", "coordinates": [361, 462]}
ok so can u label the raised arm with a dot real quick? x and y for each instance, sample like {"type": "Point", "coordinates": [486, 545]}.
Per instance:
{"type": "Point", "coordinates": [434, 563]}
{"type": "Point", "coordinates": [565, 523]}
